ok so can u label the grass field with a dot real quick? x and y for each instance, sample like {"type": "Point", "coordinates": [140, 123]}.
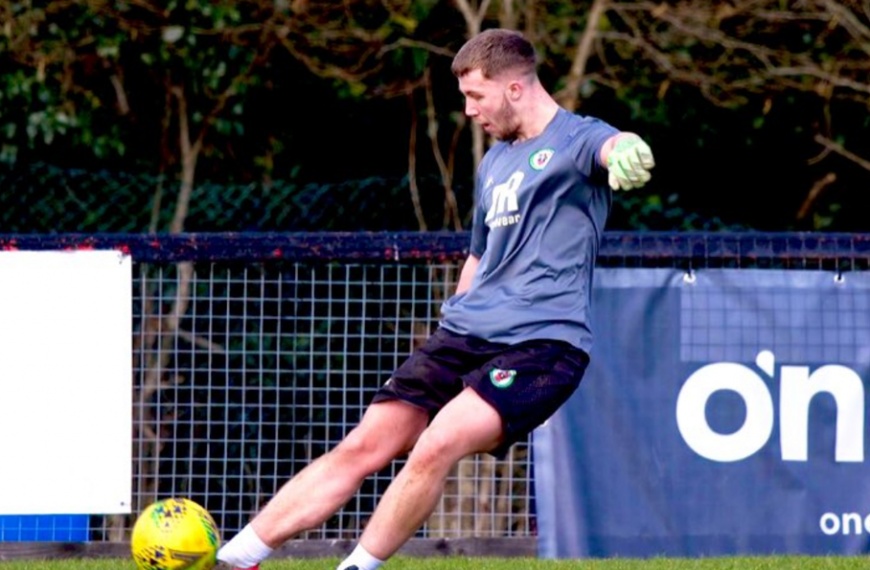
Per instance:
{"type": "Point", "coordinates": [456, 563]}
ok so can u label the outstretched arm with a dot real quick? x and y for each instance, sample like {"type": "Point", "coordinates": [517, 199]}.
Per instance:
{"type": "Point", "coordinates": [628, 160]}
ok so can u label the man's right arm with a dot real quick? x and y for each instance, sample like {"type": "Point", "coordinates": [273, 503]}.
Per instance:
{"type": "Point", "coordinates": [467, 274]}
{"type": "Point", "coordinates": [628, 159]}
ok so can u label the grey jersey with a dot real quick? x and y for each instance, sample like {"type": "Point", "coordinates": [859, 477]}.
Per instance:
{"type": "Point", "coordinates": [541, 206]}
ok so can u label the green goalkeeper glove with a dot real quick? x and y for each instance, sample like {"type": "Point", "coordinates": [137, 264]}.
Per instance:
{"type": "Point", "coordinates": [629, 163]}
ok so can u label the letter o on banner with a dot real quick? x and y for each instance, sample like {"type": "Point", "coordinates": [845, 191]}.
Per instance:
{"type": "Point", "coordinates": [692, 418]}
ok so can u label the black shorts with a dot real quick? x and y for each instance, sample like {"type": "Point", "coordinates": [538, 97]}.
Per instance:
{"type": "Point", "coordinates": [526, 382]}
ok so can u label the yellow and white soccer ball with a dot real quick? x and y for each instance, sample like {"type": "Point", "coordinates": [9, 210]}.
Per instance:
{"type": "Point", "coordinates": [175, 534]}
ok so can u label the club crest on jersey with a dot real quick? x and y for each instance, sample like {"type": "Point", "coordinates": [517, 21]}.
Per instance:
{"type": "Point", "coordinates": [502, 378]}
{"type": "Point", "coordinates": [539, 159]}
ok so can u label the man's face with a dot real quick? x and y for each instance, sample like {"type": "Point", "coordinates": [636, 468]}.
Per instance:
{"type": "Point", "coordinates": [486, 101]}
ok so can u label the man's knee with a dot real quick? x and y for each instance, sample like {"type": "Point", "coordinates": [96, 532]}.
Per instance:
{"type": "Point", "coordinates": [369, 450]}
{"type": "Point", "coordinates": [437, 447]}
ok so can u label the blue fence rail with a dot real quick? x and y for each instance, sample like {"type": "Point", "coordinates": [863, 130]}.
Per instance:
{"type": "Point", "coordinates": [649, 249]}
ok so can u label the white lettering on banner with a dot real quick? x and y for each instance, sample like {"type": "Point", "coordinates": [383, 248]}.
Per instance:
{"type": "Point", "coordinates": [845, 523]}
{"type": "Point", "coordinates": [797, 388]}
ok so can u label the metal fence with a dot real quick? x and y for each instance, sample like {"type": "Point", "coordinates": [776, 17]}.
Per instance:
{"type": "Point", "coordinates": [44, 198]}
{"type": "Point", "coordinates": [255, 353]}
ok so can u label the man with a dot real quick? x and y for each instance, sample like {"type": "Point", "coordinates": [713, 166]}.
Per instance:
{"type": "Point", "coordinates": [513, 342]}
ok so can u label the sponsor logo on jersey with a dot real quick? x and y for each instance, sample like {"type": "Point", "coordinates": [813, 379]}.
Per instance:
{"type": "Point", "coordinates": [539, 159]}
{"type": "Point", "coordinates": [504, 210]}
{"type": "Point", "coordinates": [502, 378]}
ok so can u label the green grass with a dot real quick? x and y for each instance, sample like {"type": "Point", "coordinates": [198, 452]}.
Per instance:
{"type": "Point", "coordinates": [459, 563]}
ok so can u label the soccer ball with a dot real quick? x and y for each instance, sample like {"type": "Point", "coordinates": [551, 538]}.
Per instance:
{"type": "Point", "coordinates": [175, 534]}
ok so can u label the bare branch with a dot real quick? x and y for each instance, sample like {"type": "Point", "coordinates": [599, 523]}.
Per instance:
{"type": "Point", "coordinates": [412, 166]}
{"type": "Point", "coordinates": [839, 149]}
{"type": "Point", "coordinates": [411, 43]}
{"type": "Point", "coordinates": [570, 95]}
{"type": "Point", "coordinates": [473, 17]}
{"type": "Point", "coordinates": [451, 209]}
{"type": "Point", "coordinates": [814, 193]}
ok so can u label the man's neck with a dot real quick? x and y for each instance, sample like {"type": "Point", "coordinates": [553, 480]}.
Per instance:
{"type": "Point", "coordinates": [541, 113]}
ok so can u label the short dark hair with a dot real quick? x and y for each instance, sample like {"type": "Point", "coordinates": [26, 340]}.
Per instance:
{"type": "Point", "coordinates": [494, 51]}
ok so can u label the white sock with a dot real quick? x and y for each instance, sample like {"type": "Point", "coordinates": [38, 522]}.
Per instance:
{"type": "Point", "coordinates": [245, 550]}
{"type": "Point", "coordinates": [360, 558]}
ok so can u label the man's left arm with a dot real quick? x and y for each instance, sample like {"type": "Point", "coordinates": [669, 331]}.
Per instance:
{"type": "Point", "coordinates": [628, 160]}
{"type": "Point", "coordinates": [467, 274]}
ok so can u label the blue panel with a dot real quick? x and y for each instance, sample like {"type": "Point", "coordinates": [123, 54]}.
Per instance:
{"type": "Point", "coordinates": [44, 528]}
{"type": "Point", "coordinates": [723, 414]}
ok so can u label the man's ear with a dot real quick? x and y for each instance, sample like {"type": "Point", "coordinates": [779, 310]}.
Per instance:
{"type": "Point", "coordinates": [515, 90]}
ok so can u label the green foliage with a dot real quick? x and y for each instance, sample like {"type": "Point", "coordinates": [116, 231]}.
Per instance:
{"type": "Point", "coordinates": [644, 210]}
{"type": "Point", "coordinates": [47, 61]}
{"type": "Point", "coordinates": [74, 70]}
{"type": "Point", "coordinates": [46, 199]}
{"type": "Point", "coordinates": [90, 84]}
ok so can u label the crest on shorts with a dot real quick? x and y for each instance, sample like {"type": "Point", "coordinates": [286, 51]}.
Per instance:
{"type": "Point", "coordinates": [540, 159]}
{"type": "Point", "coordinates": [502, 378]}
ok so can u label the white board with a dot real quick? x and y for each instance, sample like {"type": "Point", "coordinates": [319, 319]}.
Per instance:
{"type": "Point", "coordinates": [65, 382]}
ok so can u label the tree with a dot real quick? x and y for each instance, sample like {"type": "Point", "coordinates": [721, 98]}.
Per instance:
{"type": "Point", "coordinates": [782, 80]}
{"type": "Point", "coordinates": [89, 70]}
{"type": "Point", "coordinates": [809, 57]}
{"type": "Point", "coordinates": [793, 72]}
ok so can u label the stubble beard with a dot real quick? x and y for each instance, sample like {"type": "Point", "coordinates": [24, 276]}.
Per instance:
{"type": "Point", "coordinates": [506, 119]}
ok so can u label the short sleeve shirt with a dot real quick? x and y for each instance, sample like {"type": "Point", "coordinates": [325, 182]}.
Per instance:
{"type": "Point", "coordinates": [541, 206]}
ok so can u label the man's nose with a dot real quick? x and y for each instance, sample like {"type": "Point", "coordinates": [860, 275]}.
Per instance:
{"type": "Point", "coordinates": [470, 108]}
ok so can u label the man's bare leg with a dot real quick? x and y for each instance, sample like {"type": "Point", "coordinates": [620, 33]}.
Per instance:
{"type": "Point", "coordinates": [466, 425]}
{"type": "Point", "coordinates": [387, 430]}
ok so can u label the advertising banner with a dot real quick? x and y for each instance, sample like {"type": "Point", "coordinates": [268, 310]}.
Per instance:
{"type": "Point", "coordinates": [723, 412]}
{"type": "Point", "coordinates": [65, 383]}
